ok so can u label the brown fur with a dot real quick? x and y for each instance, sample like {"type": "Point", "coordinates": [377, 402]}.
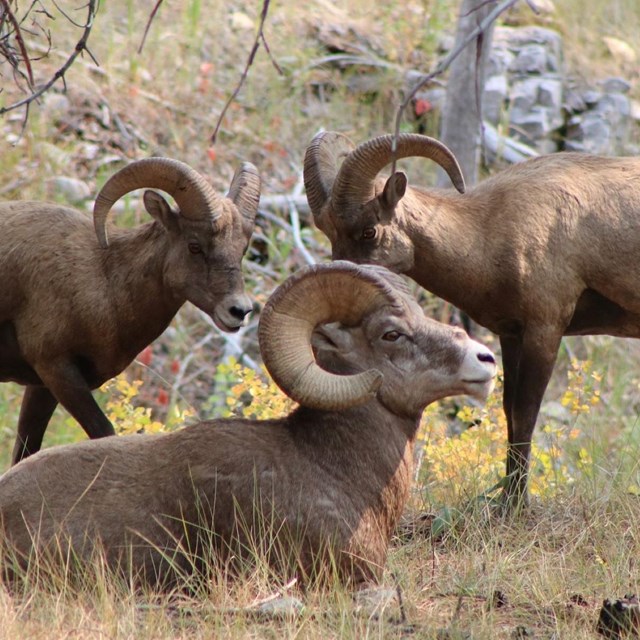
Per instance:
{"type": "Point", "coordinates": [543, 249]}
{"type": "Point", "coordinates": [73, 315]}
{"type": "Point", "coordinates": [320, 485]}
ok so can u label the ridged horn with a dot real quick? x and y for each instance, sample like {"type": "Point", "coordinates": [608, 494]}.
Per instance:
{"type": "Point", "coordinates": [338, 291]}
{"type": "Point", "coordinates": [322, 161]}
{"type": "Point", "coordinates": [195, 197]}
{"type": "Point", "coordinates": [353, 184]}
{"type": "Point", "coordinates": [245, 191]}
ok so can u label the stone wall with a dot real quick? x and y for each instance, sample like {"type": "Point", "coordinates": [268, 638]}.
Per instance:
{"type": "Point", "coordinates": [529, 96]}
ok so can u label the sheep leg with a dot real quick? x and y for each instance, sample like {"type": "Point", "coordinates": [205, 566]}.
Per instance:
{"type": "Point", "coordinates": [71, 390]}
{"type": "Point", "coordinates": [528, 364]}
{"type": "Point", "coordinates": [37, 407]}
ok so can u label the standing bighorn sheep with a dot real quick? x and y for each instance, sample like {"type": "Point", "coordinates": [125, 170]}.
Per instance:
{"type": "Point", "coordinates": [328, 481]}
{"type": "Point", "coordinates": [543, 249]}
{"type": "Point", "coordinates": [75, 311]}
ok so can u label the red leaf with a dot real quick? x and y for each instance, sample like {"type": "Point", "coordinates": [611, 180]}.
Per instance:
{"type": "Point", "coordinates": [145, 356]}
{"type": "Point", "coordinates": [421, 106]}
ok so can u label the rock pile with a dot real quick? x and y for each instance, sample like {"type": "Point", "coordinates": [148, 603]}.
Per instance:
{"type": "Point", "coordinates": [528, 93]}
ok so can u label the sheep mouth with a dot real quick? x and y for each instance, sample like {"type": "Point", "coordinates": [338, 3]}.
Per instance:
{"type": "Point", "coordinates": [479, 380]}
{"type": "Point", "coordinates": [225, 326]}
{"type": "Point", "coordinates": [479, 388]}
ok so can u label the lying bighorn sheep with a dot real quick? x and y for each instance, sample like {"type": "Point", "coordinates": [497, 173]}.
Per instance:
{"type": "Point", "coordinates": [543, 249]}
{"type": "Point", "coordinates": [330, 479]}
{"type": "Point", "coordinates": [75, 311]}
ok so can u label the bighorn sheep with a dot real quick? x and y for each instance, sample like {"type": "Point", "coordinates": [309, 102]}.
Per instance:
{"type": "Point", "coordinates": [543, 249]}
{"type": "Point", "coordinates": [352, 346]}
{"type": "Point", "coordinates": [75, 311]}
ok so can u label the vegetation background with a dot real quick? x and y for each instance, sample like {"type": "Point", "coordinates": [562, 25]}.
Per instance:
{"type": "Point", "coordinates": [459, 572]}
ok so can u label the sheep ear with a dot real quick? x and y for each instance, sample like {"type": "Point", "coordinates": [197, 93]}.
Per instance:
{"type": "Point", "coordinates": [158, 208]}
{"type": "Point", "coordinates": [332, 337]}
{"type": "Point", "coordinates": [394, 189]}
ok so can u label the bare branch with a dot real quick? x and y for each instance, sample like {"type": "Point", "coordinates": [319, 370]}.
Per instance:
{"type": "Point", "coordinates": [274, 62]}
{"type": "Point", "coordinates": [81, 45]}
{"type": "Point", "coordinates": [152, 15]}
{"type": "Point", "coordinates": [19, 39]}
{"type": "Point", "coordinates": [254, 49]}
{"type": "Point", "coordinates": [444, 64]}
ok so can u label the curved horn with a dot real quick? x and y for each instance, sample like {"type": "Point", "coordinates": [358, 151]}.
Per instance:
{"type": "Point", "coordinates": [245, 191]}
{"type": "Point", "coordinates": [194, 196]}
{"type": "Point", "coordinates": [337, 291]}
{"type": "Point", "coordinates": [354, 183]}
{"type": "Point", "coordinates": [322, 161]}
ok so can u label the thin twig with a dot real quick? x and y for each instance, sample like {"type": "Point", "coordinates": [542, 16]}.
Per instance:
{"type": "Point", "coordinates": [274, 596]}
{"type": "Point", "coordinates": [81, 46]}
{"type": "Point", "coordinates": [152, 15]}
{"type": "Point", "coordinates": [19, 39]}
{"type": "Point", "coordinates": [444, 64]}
{"type": "Point", "coordinates": [254, 49]}
{"type": "Point", "coordinates": [274, 62]}
{"type": "Point", "coordinates": [78, 25]}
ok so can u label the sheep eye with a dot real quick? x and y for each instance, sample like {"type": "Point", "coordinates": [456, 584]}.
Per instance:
{"type": "Point", "coordinates": [194, 248]}
{"type": "Point", "coordinates": [391, 336]}
{"type": "Point", "coordinates": [369, 233]}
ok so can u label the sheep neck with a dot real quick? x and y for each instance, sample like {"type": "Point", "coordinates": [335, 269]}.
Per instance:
{"type": "Point", "coordinates": [367, 448]}
{"type": "Point", "coordinates": [134, 268]}
{"type": "Point", "coordinates": [445, 230]}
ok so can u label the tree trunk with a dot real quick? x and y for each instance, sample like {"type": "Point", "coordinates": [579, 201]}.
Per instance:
{"type": "Point", "coordinates": [461, 117]}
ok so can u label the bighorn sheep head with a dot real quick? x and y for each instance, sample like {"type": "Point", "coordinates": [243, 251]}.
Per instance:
{"type": "Point", "coordinates": [371, 338]}
{"type": "Point", "coordinates": [358, 211]}
{"type": "Point", "coordinates": [207, 234]}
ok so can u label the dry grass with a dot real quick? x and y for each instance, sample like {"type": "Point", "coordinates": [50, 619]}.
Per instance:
{"type": "Point", "coordinates": [544, 575]}
{"type": "Point", "coordinates": [553, 567]}
{"type": "Point", "coordinates": [586, 52]}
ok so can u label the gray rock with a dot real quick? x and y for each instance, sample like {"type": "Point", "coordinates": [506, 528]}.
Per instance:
{"type": "Point", "coordinates": [546, 146]}
{"type": "Point", "coordinates": [616, 85]}
{"type": "Point", "coordinates": [591, 98]}
{"type": "Point", "coordinates": [278, 609]}
{"type": "Point", "coordinates": [574, 101]}
{"type": "Point", "coordinates": [56, 105]}
{"type": "Point", "coordinates": [530, 125]}
{"type": "Point", "coordinates": [550, 93]}
{"type": "Point", "coordinates": [499, 62]}
{"type": "Point", "coordinates": [572, 145]}
{"type": "Point", "coordinates": [615, 107]}
{"type": "Point", "coordinates": [525, 79]}
{"type": "Point", "coordinates": [596, 134]}
{"type": "Point", "coordinates": [517, 38]}
{"type": "Point", "coordinates": [524, 94]}
{"type": "Point", "coordinates": [496, 90]}
{"type": "Point", "coordinates": [532, 58]}
{"type": "Point", "coordinates": [70, 189]}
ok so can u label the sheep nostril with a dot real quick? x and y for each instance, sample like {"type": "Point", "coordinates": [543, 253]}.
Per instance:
{"type": "Point", "coordinates": [239, 312]}
{"type": "Point", "coordinates": [486, 357]}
